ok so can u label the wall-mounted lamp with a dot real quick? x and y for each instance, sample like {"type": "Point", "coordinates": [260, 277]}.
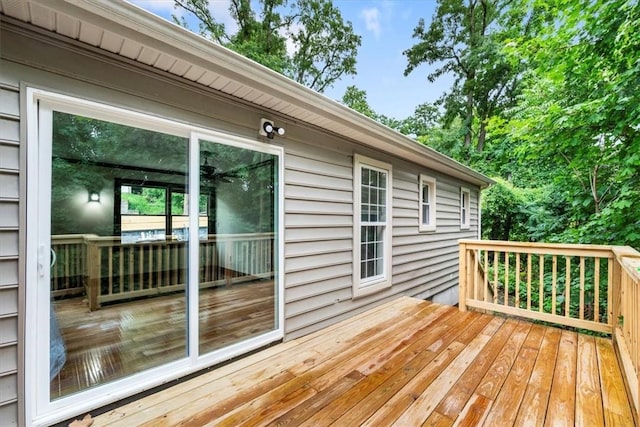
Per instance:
{"type": "Point", "coordinates": [268, 129]}
{"type": "Point", "coordinates": [94, 196]}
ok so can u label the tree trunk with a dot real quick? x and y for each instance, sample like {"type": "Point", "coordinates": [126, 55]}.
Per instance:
{"type": "Point", "coordinates": [468, 120]}
{"type": "Point", "coordinates": [482, 135]}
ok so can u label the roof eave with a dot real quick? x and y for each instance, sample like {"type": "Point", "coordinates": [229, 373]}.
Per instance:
{"type": "Point", "coordinates": [139, 24]}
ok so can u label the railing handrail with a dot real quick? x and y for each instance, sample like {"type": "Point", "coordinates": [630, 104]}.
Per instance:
{"type": "Point", "coordinates": [567, 249]}
{"type": "Point", "coordinates": [70, 239]}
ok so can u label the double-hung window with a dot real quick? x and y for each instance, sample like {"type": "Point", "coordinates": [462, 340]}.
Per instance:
{"type": "Point", "coordinates": [465, 208]}
{"type": "Point", "coordinates": [372, 226]}
{"type": "Point", "coordinates": [427, 203]}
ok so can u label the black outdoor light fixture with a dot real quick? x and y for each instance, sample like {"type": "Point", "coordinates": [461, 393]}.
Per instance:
{"type": "Point", "coordinates": [268, 129]}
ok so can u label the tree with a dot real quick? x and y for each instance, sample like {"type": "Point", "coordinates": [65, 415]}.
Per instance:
{"type": "Point", "coordinates": [325, 46]}
{"type": "Point", "coordinates": [464, 39]}
{"type": "Point", "coordinates": [580, 110]}
{"type": "Point", "coordinates": [356, 99]}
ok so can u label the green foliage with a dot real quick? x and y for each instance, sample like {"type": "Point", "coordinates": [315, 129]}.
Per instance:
{"type": "Point", "coordinates": [325, 46]}
{"type": "Point", "coordinates": [465, 39]}
{"type": "Point", "coordinates": [579, 113]}
{"type": "Point", "coordinates": [540, 295]}
{"type": "Point", "coordinates": [503, 216]}
{"type": "Point", "coordinates": [356, 99]}
{"type": "Point", "coordinates": [151, 201]}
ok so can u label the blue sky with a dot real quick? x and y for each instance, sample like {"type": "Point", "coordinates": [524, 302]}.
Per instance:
{"type": "Point", "coordinates": [386, 27]}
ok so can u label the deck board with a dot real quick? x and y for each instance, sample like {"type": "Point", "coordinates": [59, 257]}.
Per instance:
{"type": "Point", "coordinates": [408, 362]}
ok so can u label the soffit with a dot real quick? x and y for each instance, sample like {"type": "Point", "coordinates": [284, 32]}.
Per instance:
{"type": "Point", "coordinates": [126, 30]}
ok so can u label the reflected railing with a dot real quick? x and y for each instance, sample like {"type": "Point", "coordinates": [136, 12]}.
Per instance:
{"type": "Point", "coordinates": [108, 270]}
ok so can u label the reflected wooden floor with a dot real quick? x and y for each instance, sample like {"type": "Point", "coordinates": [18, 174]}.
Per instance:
{"type": "Point", "coordinates": [406, 363]}
{"type": "Point", "coordinates": [129, 337]}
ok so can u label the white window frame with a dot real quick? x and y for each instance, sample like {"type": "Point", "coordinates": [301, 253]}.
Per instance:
{"type": "Point", "coordinates": [362, 287]}
{"type": "Point", "coordinates": [39, 409]}
{"type": "Point", "coordinates": [429, 181]}
{"type": "Point", "coordinates": [465, 208]}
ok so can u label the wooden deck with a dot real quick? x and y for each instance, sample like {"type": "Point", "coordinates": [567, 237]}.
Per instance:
{"type": "Point", "coordinates": [129, 337]}
{"type": "Point", "coordinates": [406, 363]}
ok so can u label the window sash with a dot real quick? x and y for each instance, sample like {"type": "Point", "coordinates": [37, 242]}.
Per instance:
{"type": "Point", "coordinates": [465, 201]}
{"type": "Point", "coordinates": [428, 203]}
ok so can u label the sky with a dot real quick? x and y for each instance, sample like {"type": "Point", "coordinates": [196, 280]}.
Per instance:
{"type": "Point", "coordinates": [386, 28]}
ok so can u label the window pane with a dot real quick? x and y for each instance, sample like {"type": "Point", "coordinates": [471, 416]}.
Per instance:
{"type": "Point", "coordinates": [237, 260]}
{"type": "Point", "coordinates": [364, 197]}
{"type": "Point", "coordinates": [382, 213]}
{"type": "Point", "coordinates": [109, 184]}
{"type": "Point", "coordinates": [142, 212]}
{"type": "Point", "coordinates": [179, 216]}
{"type": "Point", "coordinates": [372, 250]}
{"type": "Point", "coordinates": [425, 214]}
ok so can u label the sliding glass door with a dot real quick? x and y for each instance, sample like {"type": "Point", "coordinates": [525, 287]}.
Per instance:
{"type": "Point", "coordinates": [237, 258]}
{"type": "Point", "coordinates": [157, 251]}
{"type": "Point", "coordinates": [123, 309]}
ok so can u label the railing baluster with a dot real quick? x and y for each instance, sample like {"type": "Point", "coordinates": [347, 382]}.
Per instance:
{"type": "Point", "coordinates": [174, 265]}
{"type": "Point", "coordinates": [130, 257]}
{"type": "Point", "coordinates": [140, 252]}
{"type": "Point", "coordinates": [495, 277]}
{"type": "Point", "coordinates": [554, 274]}
{"type": "Point", "coordinates": [529, 281]}
{"type": "Point", "coordinates": [517, 284]}
{"type": "Point", "coordinates": [66, 266]}
{"type": "Point", "coordinates": [582, 268]}
{"type": "Point", "coordinates": [506, 278]}
{"type": "Point", "coordinates": [567, 284]}
{"type": "Point", "coordinates": [121, 269]}
{"type": "Point", "coordinates": [485, 276]}
{"type": "Point", "coordinates": [596, 290]}
{"type": "Point", "coordinates": [541, 284]}
{"type": "Point", "coordinates": [110, 268]}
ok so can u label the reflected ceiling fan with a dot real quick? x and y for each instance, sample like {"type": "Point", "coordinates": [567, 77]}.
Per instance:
{"type": "Point", "coordinates": [211, 176]}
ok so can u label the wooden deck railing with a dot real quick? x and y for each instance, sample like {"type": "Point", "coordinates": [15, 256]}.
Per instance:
{"type": "Point", "coordinates": [583, 286]}
{"type": "Point", "coordinates": [627, 319]}
{"type": "Point", "coordinates": [108, 270]}
{"type": "Point", "coordinates": [68, 264]}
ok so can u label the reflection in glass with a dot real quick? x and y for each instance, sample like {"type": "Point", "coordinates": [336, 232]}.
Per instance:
{"type": "Point", "coordinates": [118, 271]}
{"type": "Point", "coordinates": [237, 290]}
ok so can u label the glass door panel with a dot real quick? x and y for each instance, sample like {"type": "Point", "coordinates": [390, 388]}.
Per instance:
{"type": "Point", "coordinates": [119, 269]}
{"type": "Point", "coordinates": [237, 260]}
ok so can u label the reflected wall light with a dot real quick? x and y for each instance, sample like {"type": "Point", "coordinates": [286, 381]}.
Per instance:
{"type": "Point", "coordinates": [94, 196]}
{"type": "Point", "coordinates": [268, 129]}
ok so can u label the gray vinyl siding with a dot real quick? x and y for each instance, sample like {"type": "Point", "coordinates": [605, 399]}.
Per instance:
{"type": "Point", "coordinates": [318, 194]}
{"type": "Point", "coordinates": [9, 249]}
{"type": "Point", "coordinates": [319, 238]}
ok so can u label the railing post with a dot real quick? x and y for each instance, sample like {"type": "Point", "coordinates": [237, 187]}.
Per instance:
{"type": "Point", "coordinates": [462, 277]}
{"type": "Point", "coordinates": [93, 273]}
{"type": "Point", "coordinates": [614, 292]}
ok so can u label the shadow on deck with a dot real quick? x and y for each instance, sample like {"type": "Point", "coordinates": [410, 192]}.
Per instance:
{"type": "Point", "coordinates": [408, 362]}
